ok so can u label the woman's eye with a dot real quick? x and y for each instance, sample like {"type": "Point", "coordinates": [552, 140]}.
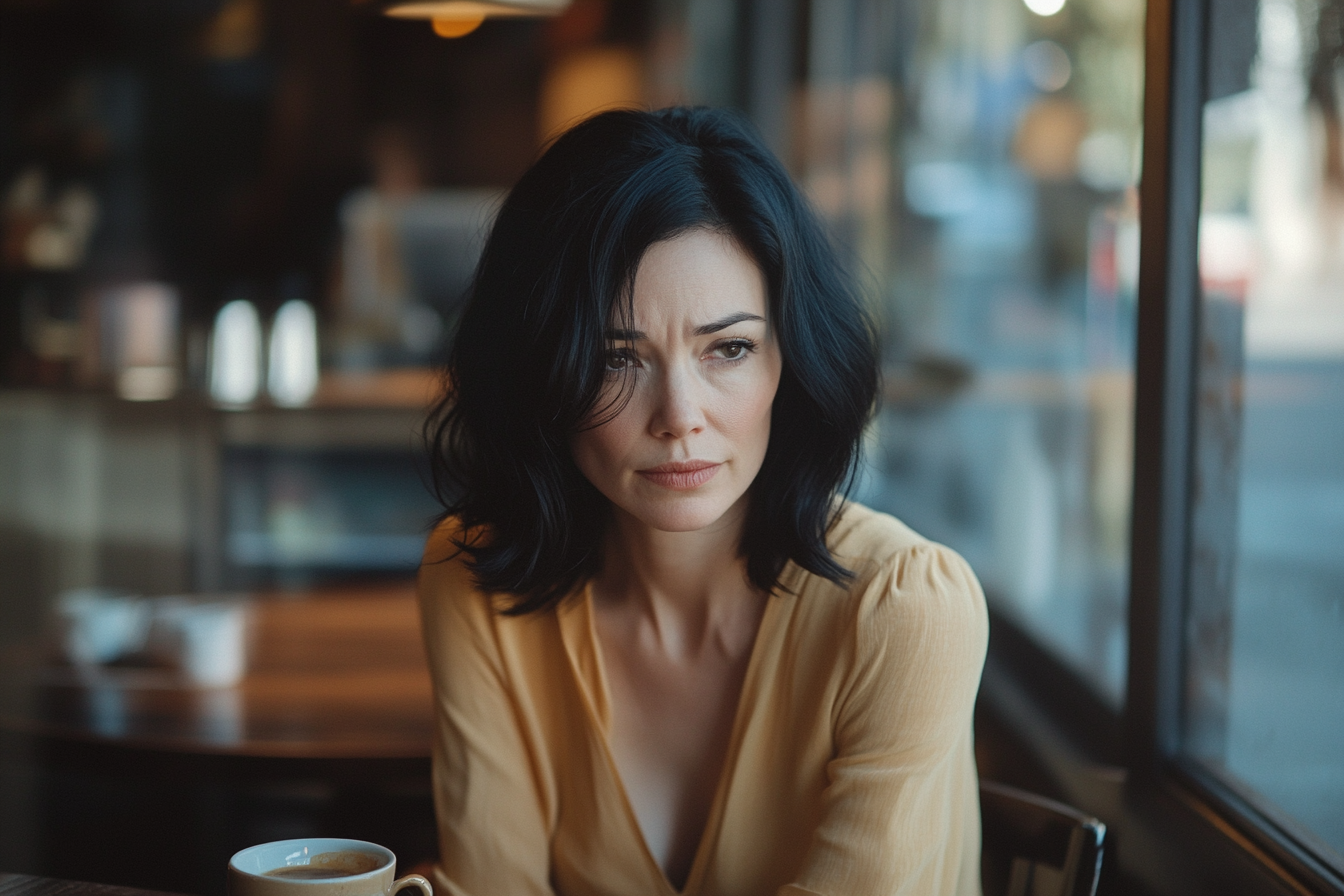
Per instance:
{"type": "Point", "coordinates": [735, 350]}
{"type": "Point", "coordinates": [619, 359]}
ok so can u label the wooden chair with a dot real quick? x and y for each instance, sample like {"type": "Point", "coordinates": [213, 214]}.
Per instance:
{"type": "Point", "coordinates": [1034, 846]}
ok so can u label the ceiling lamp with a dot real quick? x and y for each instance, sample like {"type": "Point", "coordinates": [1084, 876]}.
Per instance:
{"type": "Point", "coordinates": [1044, 8]}
{"type": "Point", "coordinates": [454, 18]}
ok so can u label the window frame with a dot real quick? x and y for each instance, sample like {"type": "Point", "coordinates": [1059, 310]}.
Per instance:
{"type": "Point", "coordinates": [1194, 831]}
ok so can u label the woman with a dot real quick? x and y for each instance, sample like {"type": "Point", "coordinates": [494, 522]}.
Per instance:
{"type": "Point", "coordinates": [665, 656]}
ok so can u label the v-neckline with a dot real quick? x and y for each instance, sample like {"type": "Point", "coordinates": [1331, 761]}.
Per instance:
{"type": "Point", "coordinates": [599, 710]}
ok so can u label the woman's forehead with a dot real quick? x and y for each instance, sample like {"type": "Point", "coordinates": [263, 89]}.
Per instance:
{"type": "Point", "coordinates": [695, 278]}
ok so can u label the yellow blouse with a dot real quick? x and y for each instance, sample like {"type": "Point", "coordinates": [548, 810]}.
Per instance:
{"type": "Point", "coordinates": [850, 768]}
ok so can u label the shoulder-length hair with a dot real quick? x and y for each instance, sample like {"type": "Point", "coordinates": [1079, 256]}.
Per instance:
{"type": "Point", "coordinates": [525, 370]}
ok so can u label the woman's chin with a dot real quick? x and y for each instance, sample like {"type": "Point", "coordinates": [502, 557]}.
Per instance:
{"type": "Point", "coordinates": [686, 515]}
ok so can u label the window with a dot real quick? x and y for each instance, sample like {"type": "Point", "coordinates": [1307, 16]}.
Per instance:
{"type": "Point", "coordinates": [1232, 713]}
{"type": "Point", "coordinates": [1264, 663]}
{"type": "Point", "coordinates": [981, 159]}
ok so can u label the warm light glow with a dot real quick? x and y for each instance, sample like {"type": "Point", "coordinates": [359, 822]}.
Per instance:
{"type": "Point", "coordinates": [466, 10]}
{"type": "Point", "coordinates": [458, 27]}
{"type": "Point", "coordinates": [1044, 7]}
{"type": "Point", "coordinates": [588, 81]}
{"type": "Point", "coordinates": [455, 18]}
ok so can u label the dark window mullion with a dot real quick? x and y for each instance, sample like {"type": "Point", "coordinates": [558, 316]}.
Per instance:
{"type": "Point", "coordinates": [1165, 377]}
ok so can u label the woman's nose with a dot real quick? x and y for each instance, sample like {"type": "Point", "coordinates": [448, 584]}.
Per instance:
{"type": "Point", "coordinates": [677, 410]}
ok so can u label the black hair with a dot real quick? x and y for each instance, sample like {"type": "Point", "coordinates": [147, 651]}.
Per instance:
{"type": "Point", "coordinates": [526, 365]}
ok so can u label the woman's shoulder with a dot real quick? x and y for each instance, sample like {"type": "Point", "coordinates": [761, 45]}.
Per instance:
{"type": "Point", "coordinates": [862, 535]}
{"type": "Point", "coordinates": [898, 570]}
{"type": "Point", "coordinates": [444, 540]}
{"type": "Point", "coordinates": [448, 588]}
{"type": "Point", "coordinates": [444, 561]}
{"type": "Point", "coordinates": [445, 581]}
{"type": "Point", "coordinates": [866, 541]}
{"type": "Point", "coordinates": [910, 596]}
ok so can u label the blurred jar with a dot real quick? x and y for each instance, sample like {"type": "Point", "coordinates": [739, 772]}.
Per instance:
{"type": "Point", "coordinates": [292, 360]}
{"type": "Point", "coordinates": [134, 343]}
{"type": "Point", "coordinates": [235, 354]}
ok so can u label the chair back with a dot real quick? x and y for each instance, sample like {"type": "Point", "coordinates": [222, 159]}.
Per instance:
{"type": "Point", "coordinates": [1034, 846]}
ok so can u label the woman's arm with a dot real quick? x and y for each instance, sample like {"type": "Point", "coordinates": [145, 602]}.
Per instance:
{"type": "Point", "coordinates": [901, 810]}
{"type": "Point", "coordinates": [492, 824]}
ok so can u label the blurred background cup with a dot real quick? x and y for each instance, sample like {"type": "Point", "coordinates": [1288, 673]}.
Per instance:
{"type": "Point", "coordinates": [252, 870]}
{"type": "Point", "coordinates": [99, 626]}
{"type": "Point", "coordinates": [207, 639]}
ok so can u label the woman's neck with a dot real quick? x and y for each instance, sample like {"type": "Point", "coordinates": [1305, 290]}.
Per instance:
{"type": "Point", "coordinates": [687, 586]}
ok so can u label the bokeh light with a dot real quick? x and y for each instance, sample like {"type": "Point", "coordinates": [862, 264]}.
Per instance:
{"type": "Point", "coordinates": [1044, 7]}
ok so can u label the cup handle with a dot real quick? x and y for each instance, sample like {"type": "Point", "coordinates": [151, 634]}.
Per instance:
{"type": "Point", "coordinates": [411, 880]}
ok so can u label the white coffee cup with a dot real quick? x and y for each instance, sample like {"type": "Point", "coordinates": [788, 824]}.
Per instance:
{"type": "Point", "coordinates": [262, 870]}
{"type": "Point", "coordinates": [101, 625]}
{"type": "Point", "coordinates": [205, 636]}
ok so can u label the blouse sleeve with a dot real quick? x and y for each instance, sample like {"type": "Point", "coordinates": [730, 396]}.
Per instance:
{"type": "Point", "coordinates": [492, 831]}
{"type": "Point", "coordinates": [900, 810]}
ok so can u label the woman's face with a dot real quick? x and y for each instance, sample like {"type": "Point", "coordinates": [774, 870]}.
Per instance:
{"type": "Point", "coordinates": [703, 366]}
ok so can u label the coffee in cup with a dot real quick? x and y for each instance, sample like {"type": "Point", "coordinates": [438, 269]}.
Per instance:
{"type": "Point", "coordinates": [327, 865]}
{"type": "Point", "coordinates": [319, 866]}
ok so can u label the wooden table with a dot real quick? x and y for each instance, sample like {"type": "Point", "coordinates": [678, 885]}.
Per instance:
{"type": "Point", "coordinates": [28, 885]}
{"type": "Point", "coordinates": [337, 674]}
{"type": "Point", "coordinates": [145, 780]}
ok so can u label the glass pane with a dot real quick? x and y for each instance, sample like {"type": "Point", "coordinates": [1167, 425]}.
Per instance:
{"type": "Point", "coordinates": [980, 156]}
{"type": "Point", "coordinates": [1265, 665]}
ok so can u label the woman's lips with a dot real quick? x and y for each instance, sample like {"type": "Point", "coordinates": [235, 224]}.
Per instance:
{"type": "Point", "coordinates": [682, 475]}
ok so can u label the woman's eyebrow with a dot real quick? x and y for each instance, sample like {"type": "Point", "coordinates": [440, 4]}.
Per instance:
{"type": "Point", "coordinates": [724, 323]}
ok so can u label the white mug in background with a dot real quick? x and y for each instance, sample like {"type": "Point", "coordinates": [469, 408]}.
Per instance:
{"type": "Point", "coordinates": [98, 625]}
{"type": "Point", "coordinates": [319, 866]}
{"type": "Point", "coordinates": [206, 638]}
{"type": "Point", "coordinates": [235, 354]}
{"type": "Point", "coordinates": [291, 363]}
{"type": "Point", "coordinates": [214, 640]}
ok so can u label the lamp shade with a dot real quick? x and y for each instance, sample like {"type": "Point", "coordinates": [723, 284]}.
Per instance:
{"type": "Point", "coordinates": [471, 9]}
